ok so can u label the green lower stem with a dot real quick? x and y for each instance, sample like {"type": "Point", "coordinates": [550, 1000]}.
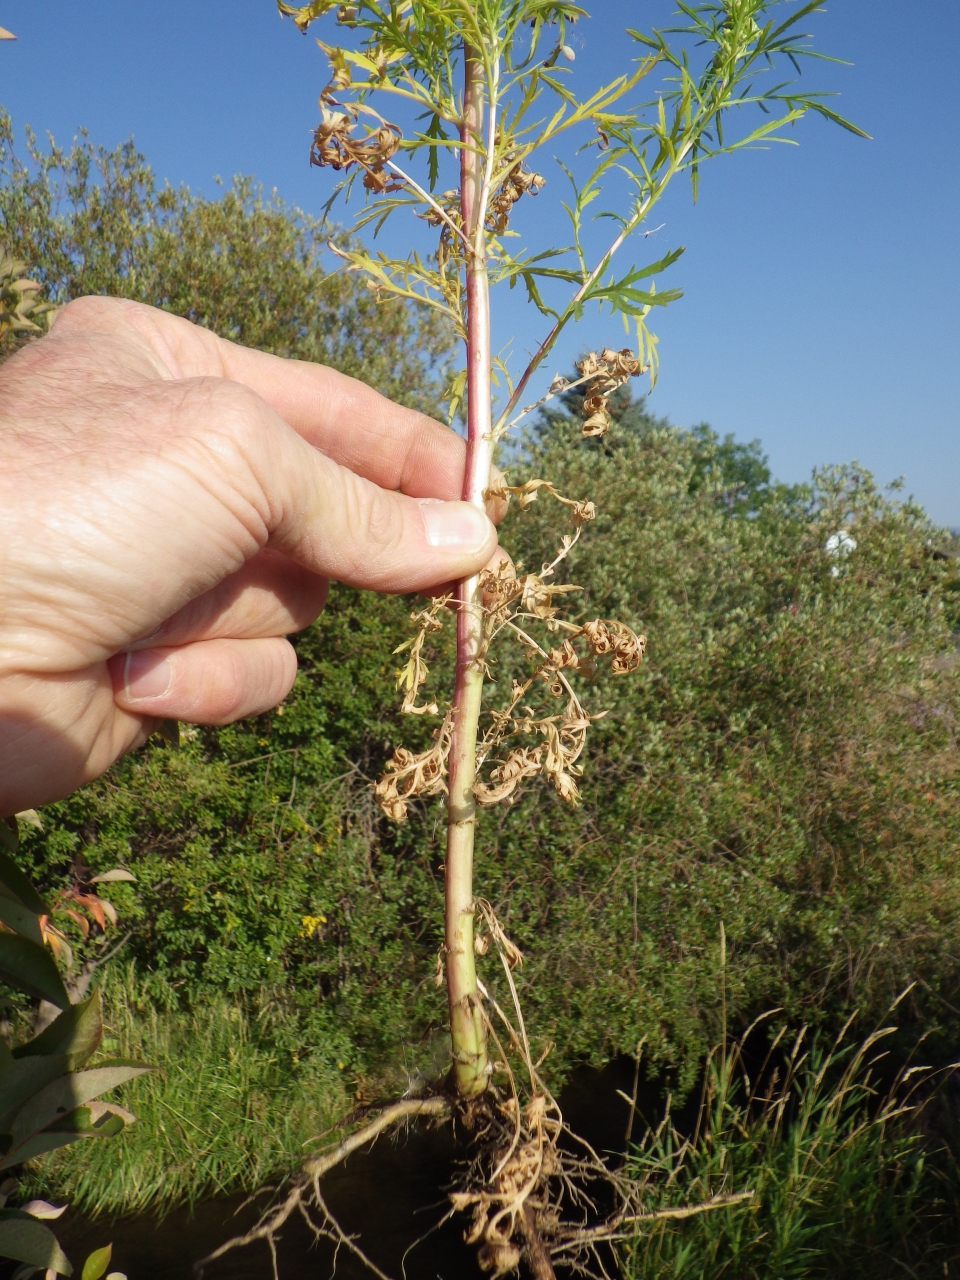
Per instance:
{"type": "Point", "coordinates": [471, 1064]}
{"type": "Point", "coordinates": [466, 1020]}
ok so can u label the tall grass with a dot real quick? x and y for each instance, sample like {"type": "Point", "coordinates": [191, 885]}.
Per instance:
{"type": "Point", "coordinates": [225, 1110]}
{"type": "Point", "coordinates": [844, 1180]}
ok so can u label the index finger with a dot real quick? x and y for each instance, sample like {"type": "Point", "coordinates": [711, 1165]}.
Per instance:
{"type": "Point", "coordinates": [395, 447]}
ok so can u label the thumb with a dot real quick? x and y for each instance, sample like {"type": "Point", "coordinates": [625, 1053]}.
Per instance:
{"type": "Point", "coordinates": [343, 526]}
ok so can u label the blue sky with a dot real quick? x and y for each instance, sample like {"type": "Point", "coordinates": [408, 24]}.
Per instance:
{"type": "Point", "coordinates": [820, 281]}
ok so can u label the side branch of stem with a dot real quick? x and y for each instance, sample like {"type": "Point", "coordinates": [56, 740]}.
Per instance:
{"type": "Point", "coordinates": [546, 345]}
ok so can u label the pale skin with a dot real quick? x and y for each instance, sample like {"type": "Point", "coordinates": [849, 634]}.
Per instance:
{"type": "Point", "coordinates": [172, 506]}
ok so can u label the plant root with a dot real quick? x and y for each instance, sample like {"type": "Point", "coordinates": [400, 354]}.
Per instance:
{"type": "Point", "coordinates": [537, 1257]}
{"type": "Point", "coordinates": [535, 1191]}
{"type": "Point", "coordinates": [304, 1194]}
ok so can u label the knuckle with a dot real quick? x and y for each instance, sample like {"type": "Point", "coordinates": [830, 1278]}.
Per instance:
{"type": "Point", "coordinates": [94, 312]}
{"type": "Point", "coordinates": [230, 409]}
{"type": "Point", "coordinates": [222, 424]}
{"type": "Point", "coordinates": [83, 310]}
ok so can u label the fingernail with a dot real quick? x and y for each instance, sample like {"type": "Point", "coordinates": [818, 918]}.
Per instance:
{"type": "Point", "coordinates": [454, 524]}
{"type": "Point", "coordinates": [146, 675]}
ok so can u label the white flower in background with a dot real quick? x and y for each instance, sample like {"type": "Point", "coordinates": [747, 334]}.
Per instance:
{"type": "Point", "coordinates": [839, 545]}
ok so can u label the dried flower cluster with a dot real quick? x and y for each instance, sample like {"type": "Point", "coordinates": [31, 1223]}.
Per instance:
{"type": "Point", "coordinates": [334, 145]}
{"type": "Point", "coordinates": [409, 775]}
{"type": "Point", "coordinates": [508, 600]}
{"type": "Point", "coordinates": [518, 182]}
{"type": "Point", "coordinates": [556, 759]}
{"type": "Point", "coordinates": [603, 373]}
{"type": "Point", "coordinates": [565, 734]}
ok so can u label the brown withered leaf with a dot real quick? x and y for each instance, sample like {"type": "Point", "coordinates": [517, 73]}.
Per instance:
{"type": "Point", "coordinates": [564, 745]}
{"type": "Point", "coordinates": [581, 509]}
{"type": "Point", "coordinates": [334, 145]}
{"type": "Point", "coordinates": [616, 639]}
{"type": "Point", "coordinates": [498, 589]}
{"type": "Point", "coordinates": [408, 775]}
{"type": "Point", "coordinates": [414, 674]}
{"type": "Point", "coordinates": [449, 202]}
{"type": "Point", "coordinates": [522, 762]}
{"type": "Point", "coordinates": [598, 424]}
{"type": "Point", "coordinates": [518, 182]}
{"type": "Point", "coordinates": [536, 597]}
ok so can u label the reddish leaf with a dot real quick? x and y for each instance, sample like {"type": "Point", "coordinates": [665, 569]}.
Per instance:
{"type": "Point", "coordinates": [82, 921]}
{"type": "Point", "coordinates": [94, 906]}
{"type": "Point", "coordinates": [110, 909]}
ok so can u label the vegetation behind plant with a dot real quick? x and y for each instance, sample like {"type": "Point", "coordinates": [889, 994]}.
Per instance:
{"type": "Point", "coordinates": [785, 765]}
{"type": "Point", "coordinates": [825, 1172]}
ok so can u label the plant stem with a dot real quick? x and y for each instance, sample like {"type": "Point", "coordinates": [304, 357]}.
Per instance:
{"type": "Point", "coordinates": [470, 1061]}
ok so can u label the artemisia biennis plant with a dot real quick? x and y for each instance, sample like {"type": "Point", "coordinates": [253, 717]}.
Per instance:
{"type": "Point", "coordinates": [487, 94]}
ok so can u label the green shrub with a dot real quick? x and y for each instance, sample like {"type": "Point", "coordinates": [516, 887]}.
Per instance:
{"type": "Point", "coordinates": [786, 764]}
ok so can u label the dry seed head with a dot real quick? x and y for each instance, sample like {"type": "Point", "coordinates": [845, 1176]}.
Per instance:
{"type": "Point", "coordinates": [408, 775]}
{"type": "Point", "coordinates": [611, 637]}
{"type": "Point", "coordinates": [334, 146]}
{"type": "Point", "coordinates": [604, 373]}
{"type": "Point", "coordinates": [518, 182]}
{"type": "Point", "coordinates": [621, 364]}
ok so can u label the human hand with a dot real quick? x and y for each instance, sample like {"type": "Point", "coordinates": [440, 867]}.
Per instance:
{"type": "Point", "coordinates": [173, 505]}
